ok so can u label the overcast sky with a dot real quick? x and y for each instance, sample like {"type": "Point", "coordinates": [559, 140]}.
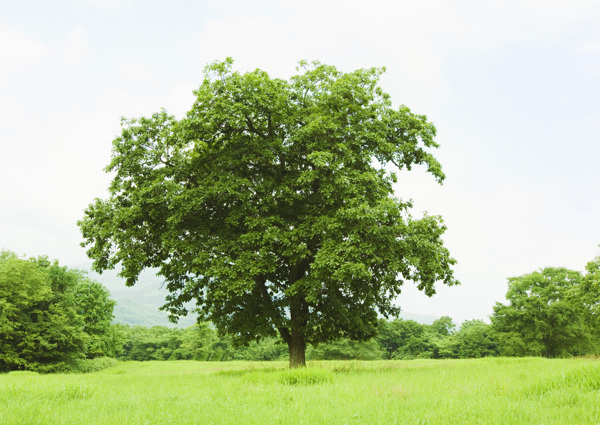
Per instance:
{"type": "Point", "coordinates": [512, 86]}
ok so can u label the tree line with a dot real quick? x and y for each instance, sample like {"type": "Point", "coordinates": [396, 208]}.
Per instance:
{"type": "Point", "coordinates": [52, 318]}
{"type": "Point", "coordinates": [553, 312]}
{"type": "Point", "coordinates": [397, 339]}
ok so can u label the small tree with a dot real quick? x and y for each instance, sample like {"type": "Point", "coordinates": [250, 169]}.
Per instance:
{"type": "Point", "coordinates": [271, 206]}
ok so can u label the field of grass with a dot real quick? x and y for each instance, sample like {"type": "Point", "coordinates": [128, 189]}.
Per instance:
{"type": "Point", "coordinates": [485, 391]}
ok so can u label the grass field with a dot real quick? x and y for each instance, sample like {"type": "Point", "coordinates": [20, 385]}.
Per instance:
{"type": "Point", "coordinates": [485, 391]}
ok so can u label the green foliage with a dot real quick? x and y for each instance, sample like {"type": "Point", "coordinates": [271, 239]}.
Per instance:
{"type": "Point", "coordinates": [50, 315]}
{"type": "Point", "coordinates": [198, 342]}
{"type": "Point", "coordinates": [155, 343]}
{"type": "Point", "coordinates": [590, 295]}
{"type": "Point", "coordinates": [96, 309]}
{"type": "Point", "coordinates": [345, 349]}
{"type": "Point", "coordinates": [407, 339]}
{"type": "Point", "coordinates": [265, 349]}
{"type": "Point", "coordinates": [443, 326]}
{"type": "Point", "coordinates": [397, 339]}
{"type": "Point", "coordinates": [475, 339]}
{"type": "Point", "coordinates": [270, 206]}
{"type": "Point", "coordinates": [549, 314]}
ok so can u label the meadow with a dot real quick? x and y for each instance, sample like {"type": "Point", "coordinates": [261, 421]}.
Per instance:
{"type": "Point", "coordinates": [477, 391]}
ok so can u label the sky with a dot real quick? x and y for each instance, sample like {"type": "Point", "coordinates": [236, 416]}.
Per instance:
{"type": "Point", "coordinates": [513, 88]}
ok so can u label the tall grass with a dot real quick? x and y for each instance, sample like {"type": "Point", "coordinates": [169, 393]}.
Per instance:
{"type": "Point", "coordinates": [483, 391]}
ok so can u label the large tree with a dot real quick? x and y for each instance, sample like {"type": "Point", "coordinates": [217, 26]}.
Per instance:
{"type": "Point", "coordinates": [271, 205]}
{"type": "Point", "coordinates": [548, 314]}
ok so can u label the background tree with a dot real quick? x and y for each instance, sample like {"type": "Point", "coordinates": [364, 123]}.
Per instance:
{"type": "Point", "coordinates": [546, 316]}
{"type": "Point", "coordinates": [443, 326]}
{"type": "Point", "coordinates": [155, 343]}
{"type": "Point", "coordinates": [475, 339]}
{"type": "Point", "coordinates": [49, 315]}
{"type": "Point", "coordinates": [404, 339]}
{"type": "Point", "coordinates": [345, 349]}
{"type": "Point", "coordinates": [270, 204]}
{"type": "Point", "coordinates": [263, 350]}
{"type": "Point", "coordinates": [96, 309]}
{"type": "Point", "coordinates": [440, 339]}
{"type": "Point", "coordinates": [590, 295]}
{"type": "Point", "coordinates": [197, 342]}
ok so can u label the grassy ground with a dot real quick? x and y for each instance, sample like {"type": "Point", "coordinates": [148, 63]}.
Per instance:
{"type": "Point", "coordinates": [486, 391]}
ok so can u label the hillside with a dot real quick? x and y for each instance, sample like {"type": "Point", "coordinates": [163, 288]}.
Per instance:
{"type": "Point", "coordinates": [139, 304]}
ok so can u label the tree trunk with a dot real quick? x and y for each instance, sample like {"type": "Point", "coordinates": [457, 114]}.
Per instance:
{"type": "Point", "coordinates": [298, 313]}
{"type": "Point", "coordinates": [297, 347]}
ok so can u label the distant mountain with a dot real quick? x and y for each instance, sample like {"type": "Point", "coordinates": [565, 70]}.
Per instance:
{"type": "Point", "coordinates": [138, 305]}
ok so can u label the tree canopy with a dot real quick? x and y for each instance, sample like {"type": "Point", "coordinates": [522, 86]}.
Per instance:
{"type": "Point", "coordinates": [550, 313]}
{"type": "Point", "coordinates": [271, 205]}
{"type": "Point", "coordinates": [50, 315]}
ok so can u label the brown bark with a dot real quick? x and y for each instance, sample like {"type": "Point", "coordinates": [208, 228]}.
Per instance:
{"type": "Point", "coordinates": [297, 342]}
{"type": "Point", "coordinates": [297, 347]}
{"type": "Point", "coordinates": [294, 335]}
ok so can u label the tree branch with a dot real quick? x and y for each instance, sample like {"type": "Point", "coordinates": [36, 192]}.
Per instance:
{"type": "Point", "coordinates": [253, 129]}
{"type": "Point", "coordinates": [275, 315]}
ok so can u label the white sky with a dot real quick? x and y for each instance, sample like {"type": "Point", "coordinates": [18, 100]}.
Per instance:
{"type": "Point", "coordinates": [512, 86]}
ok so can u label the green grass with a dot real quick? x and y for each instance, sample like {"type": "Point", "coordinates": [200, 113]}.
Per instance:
{"type": "Point", "coordinates": [485, 391]}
